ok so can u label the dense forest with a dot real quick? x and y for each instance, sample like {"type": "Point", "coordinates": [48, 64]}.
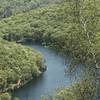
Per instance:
{"type": "Point", "coordinates": [67, 26]}
{"type": "Point", "coordinates": [13, 7]}
{"type": "Point", "coordinates": [18, 64]}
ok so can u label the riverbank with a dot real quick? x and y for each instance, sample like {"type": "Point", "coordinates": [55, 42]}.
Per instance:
{"type": "Point", "coordinates": [53, 78]}
{"type": "Point", "coordinates": [18, 65]}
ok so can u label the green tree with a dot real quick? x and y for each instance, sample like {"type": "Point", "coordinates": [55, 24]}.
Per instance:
{"type": "Point", "coordinates": [5, 96]}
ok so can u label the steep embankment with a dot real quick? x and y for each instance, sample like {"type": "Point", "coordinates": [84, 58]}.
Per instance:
{"type": "Point", "coordinates": [18, 65]}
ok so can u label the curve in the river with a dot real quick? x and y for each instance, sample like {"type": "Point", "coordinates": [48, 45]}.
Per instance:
{"type": "Point", "coordinates": [52, 79]}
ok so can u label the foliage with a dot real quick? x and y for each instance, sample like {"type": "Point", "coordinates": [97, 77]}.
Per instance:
{"type": "Point", "coordinates": [18, 65]}
{"type": "Point", "coordinates": [81, 91]}
{"type": "Point", "coordinates": [12, 7]}
{"type": "Point", "coordinates": [72, 26]}
{"type": "Point", "coordinates": [58, 27]}
{"type": "Point", "coordinates": [5, 96]}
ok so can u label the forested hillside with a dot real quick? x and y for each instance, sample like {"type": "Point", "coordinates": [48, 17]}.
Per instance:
{"type": "Point", "coordinates": [71, 26]}
{"type": "Point", "coordinates": [18, 65]}
{"type": "Point", "coordinates": [13, 7]}
{"type": "Point", "coordinates": [57, 26]}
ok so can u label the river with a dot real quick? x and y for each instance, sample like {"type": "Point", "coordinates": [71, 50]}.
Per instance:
{"type": "Point", "coordinates": [50, 81]}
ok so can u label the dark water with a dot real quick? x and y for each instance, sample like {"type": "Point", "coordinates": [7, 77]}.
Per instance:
{"type": "Point", "coordinates": [51, 80]}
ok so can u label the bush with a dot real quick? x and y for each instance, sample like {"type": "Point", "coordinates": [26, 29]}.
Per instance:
{"type": "Point", "coordinates": [5, 96]}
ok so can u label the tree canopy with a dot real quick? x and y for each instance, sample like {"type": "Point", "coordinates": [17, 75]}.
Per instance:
{"type": "Point", "coordinates": [18, 65]}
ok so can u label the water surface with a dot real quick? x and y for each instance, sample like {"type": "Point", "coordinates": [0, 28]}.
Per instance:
{"type": "Point", "coordinates": [50, 81]}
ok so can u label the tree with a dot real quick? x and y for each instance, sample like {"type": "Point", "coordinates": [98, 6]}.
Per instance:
{"type": "Point", "coordinates": [85, 14]}
{"type": "Point", "coordinates": [5, 96]}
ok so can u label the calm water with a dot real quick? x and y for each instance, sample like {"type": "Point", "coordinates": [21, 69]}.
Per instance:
{"type": "Point", "coordinates": [51, 80]}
